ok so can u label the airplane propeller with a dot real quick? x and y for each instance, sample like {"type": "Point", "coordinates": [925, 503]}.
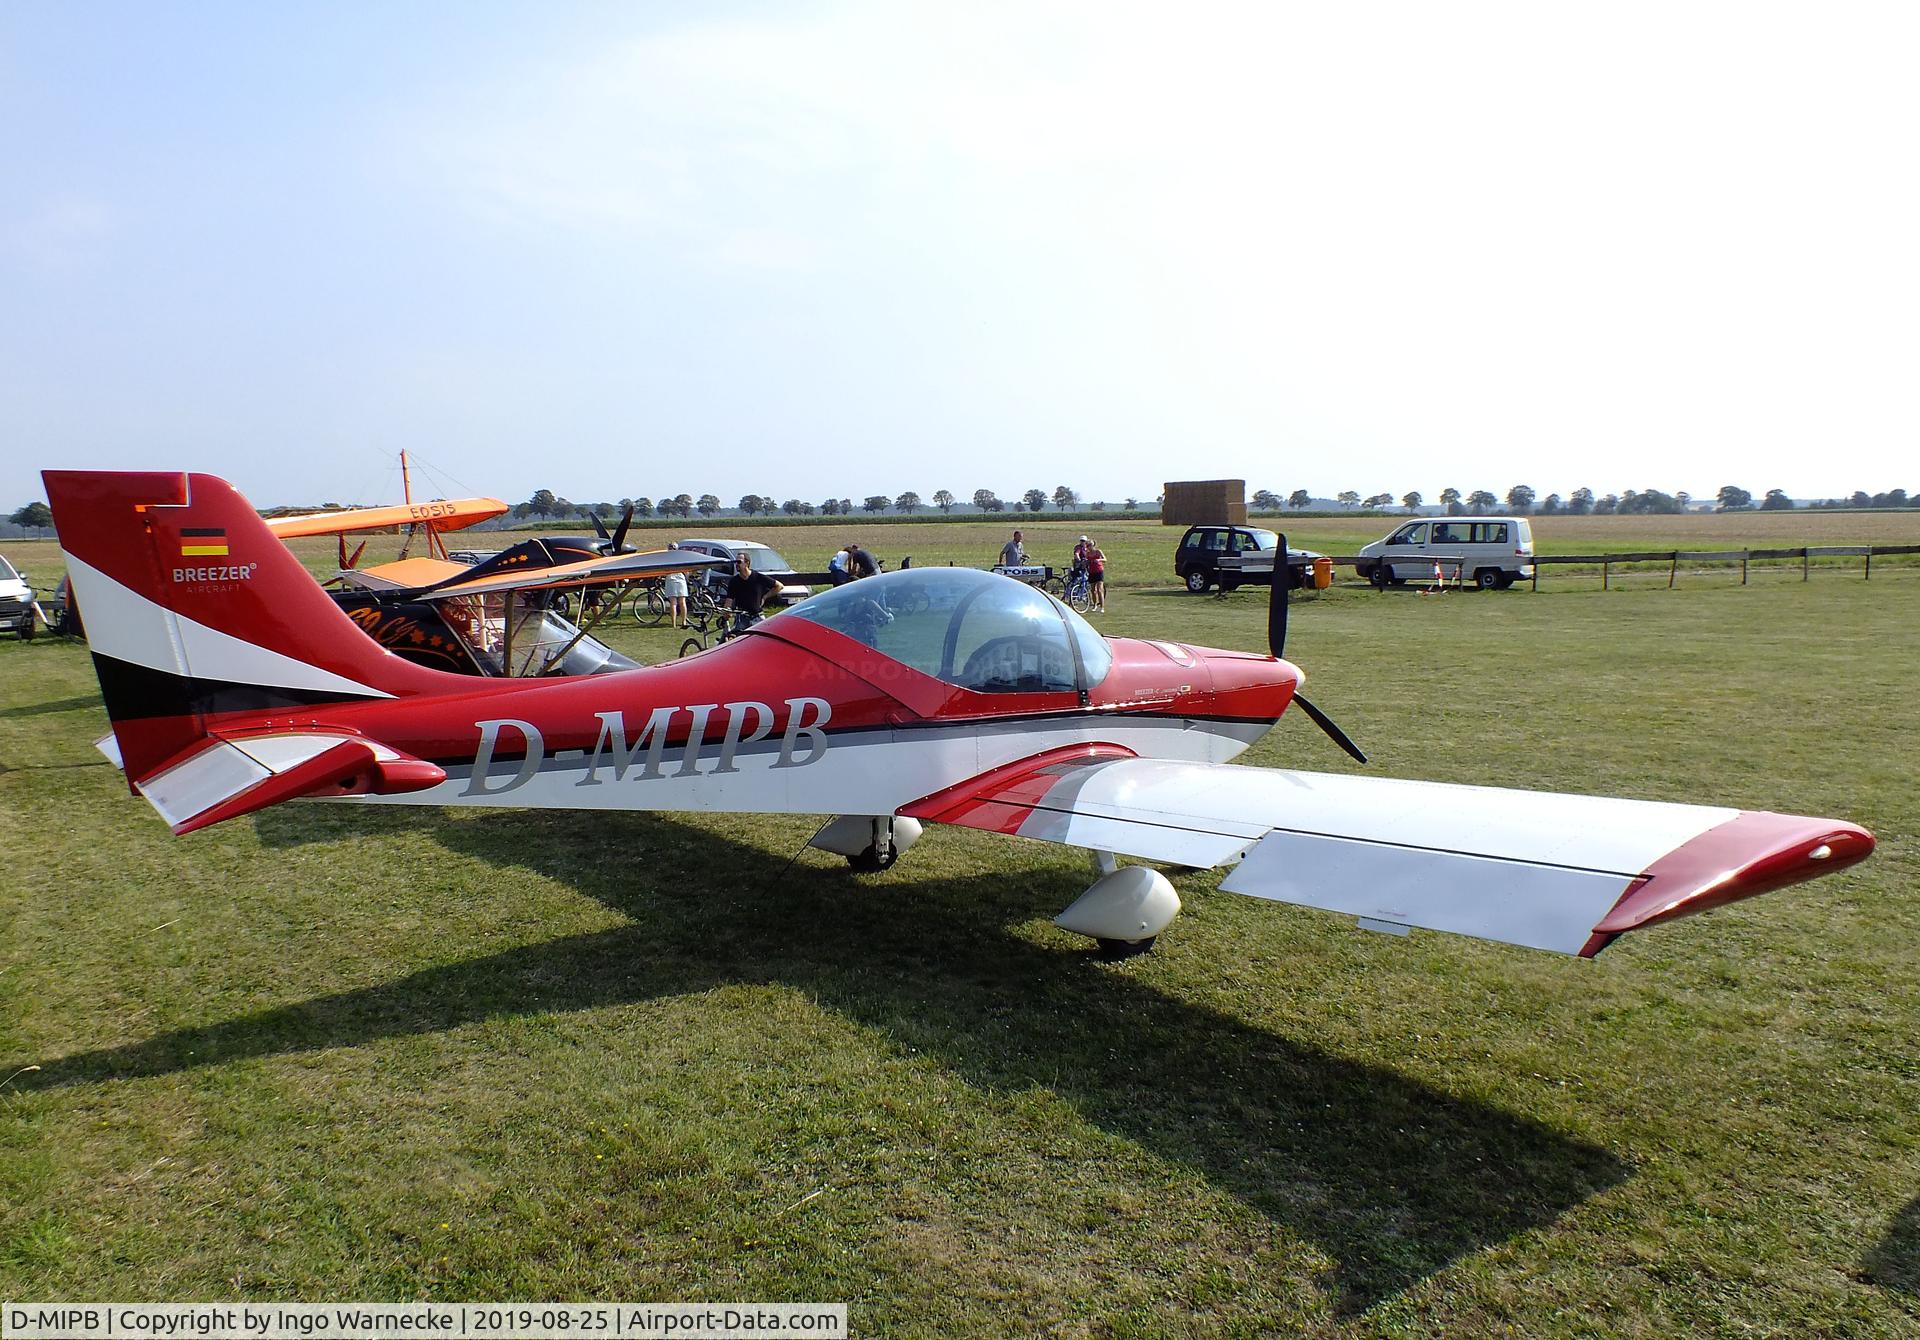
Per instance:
{"type": "Point", "coordinates": [1279, 597]}
{"type": "Point", "coordinates": [616, 542]}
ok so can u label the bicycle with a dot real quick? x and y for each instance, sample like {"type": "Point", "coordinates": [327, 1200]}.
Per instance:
{"type": "Point", "coordinates": [649, 605]}
{"type": "Point", "coordinates": [707, 638]}
{"type": "Point", "coordinates": [1079, 590]}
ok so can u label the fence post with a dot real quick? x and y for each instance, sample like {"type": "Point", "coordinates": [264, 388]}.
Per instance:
{"type": "Point", "coordinates": [1605, 568]}
{"type": "Point", "coordinates": [1673, 571]}
{"type": "Point", "coordinates": [1743, 567]}
{"type": "Point", "coordinates": [1805, 564]}
{"type": "Point", "coordinates": [1536, 573]}
{"type": "Point", "coordinates": [1869, 572]}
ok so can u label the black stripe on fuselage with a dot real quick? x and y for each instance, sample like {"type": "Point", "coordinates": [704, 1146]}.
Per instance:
{"type": "Point", "coordinates": [139, 692]}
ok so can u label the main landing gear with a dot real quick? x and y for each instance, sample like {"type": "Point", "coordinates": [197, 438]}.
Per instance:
{"type": "Point", "coordinates": [871, 843]}
{"type": "Point", "coordinates": [1124, 911]}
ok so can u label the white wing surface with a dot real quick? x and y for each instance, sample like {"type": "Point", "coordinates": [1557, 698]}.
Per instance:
{"type": "Point", "coordinates": [1546, 870]}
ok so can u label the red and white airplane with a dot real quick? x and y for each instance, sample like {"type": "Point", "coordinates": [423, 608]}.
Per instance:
{"type": "Point", "coordinates": [941, 695]}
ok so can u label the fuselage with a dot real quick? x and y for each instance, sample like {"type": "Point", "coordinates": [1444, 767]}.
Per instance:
{"type": "Point", "coordinates": [796, 717]}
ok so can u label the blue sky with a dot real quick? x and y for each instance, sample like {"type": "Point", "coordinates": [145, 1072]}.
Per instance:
{"type": "Point", "coordinates": [815, 250]}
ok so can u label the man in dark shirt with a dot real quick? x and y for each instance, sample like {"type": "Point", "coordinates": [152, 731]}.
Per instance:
{"type": "Point", "coordinates": [747, 592]}
{"type": "Point", "coordinates": [860, 563]}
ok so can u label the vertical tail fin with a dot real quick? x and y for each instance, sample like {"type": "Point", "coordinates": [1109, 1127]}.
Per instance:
{"type": "Point", "coordinates": [195, 610]}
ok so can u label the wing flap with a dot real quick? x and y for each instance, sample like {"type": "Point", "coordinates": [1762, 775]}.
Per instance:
{"type": "Point", "coordinates": [1514, 902]}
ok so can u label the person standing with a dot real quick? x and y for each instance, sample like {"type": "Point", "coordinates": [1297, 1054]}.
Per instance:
{"type": "Point", "coordinates": [1096, 560]}
{"type": "Point", "coordinates": [747, 592]}
{"type": "Point", "coordinates": [674, 588]}
{"type": "Point", "coordinates": [1013, 554]}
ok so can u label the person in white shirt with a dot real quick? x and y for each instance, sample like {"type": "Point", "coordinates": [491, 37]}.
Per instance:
{"type": "Point", "coordinates": [674, 588]}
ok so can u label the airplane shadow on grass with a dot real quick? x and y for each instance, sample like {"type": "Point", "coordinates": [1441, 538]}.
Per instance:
{"type": "Point", "coordinates": [74, 704]}
{"type": "Point", "coordinates": [1392, 1179]}
{"type": "Point", "coordinates": [1894, 1261]}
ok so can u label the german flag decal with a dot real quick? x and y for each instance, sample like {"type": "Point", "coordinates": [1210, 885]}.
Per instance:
{"type": "Point", "coordinates": [203, 542]}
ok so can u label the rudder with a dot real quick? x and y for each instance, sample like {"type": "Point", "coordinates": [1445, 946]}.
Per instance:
{"type": "Point", "coordinates": [195, 611]}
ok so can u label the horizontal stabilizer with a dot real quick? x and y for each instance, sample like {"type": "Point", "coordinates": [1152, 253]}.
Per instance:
{"type": "Point", "coordinates": [231, 777]}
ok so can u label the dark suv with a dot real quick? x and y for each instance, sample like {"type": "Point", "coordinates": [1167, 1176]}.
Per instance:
{"type": "Point", "coordinates": [1230, 556]}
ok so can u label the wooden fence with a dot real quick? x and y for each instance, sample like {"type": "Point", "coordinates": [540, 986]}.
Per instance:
{"type": "Point", "coordinates": [1673, 558]}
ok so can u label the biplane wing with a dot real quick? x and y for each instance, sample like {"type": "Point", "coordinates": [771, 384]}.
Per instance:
{"type": "Point", "coordinates": [1545, 870]}
{"type": "Point", "coordinates": [587, 572]}
{"type": "Point", "coordinates": [441, 579]}
{"type": "Point", "coordinates": [443, 514]}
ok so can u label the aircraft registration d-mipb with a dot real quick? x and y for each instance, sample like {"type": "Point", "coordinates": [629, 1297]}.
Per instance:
{"type": "Point", "coordinates": [931, 695]}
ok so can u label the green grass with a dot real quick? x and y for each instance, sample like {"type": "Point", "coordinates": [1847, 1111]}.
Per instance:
{"type": "Point", "coordinates": [331, 1053]}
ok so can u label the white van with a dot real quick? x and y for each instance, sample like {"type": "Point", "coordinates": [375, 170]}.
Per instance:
{"type": "Point", "coordinates": [1489, 551]}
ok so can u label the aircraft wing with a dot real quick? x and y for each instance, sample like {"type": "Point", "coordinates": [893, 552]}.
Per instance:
{"type": "Point", "coordinates": [1546, 870]}
{"type": "Point", "coordinates": [404, 574]}
{"type": "Point", "coordinates": [587, 572]}
{"type": "Point", "coordinates": [446, 514]}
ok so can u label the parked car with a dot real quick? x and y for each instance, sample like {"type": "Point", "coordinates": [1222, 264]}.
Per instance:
{"type": "Point", "coordinates": [1231, 556]}
{"type": "Point", "coordinates": [17, 614]}
{"type": "Point", "coordinates": [1489, 551]}
{"type": "Point", "coordinates": [764, 560]}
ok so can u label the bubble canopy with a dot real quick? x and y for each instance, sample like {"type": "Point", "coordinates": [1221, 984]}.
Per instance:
{"type": "Point", "coordinates": [976, 630]}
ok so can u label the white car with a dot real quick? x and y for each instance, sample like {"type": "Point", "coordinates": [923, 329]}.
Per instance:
{"type": "Point", "coordinates": [1492, 552]}
{"type": "Point", "coordinates": [16, 602]}
{"type": "Point", "coordinates": [764, 559]}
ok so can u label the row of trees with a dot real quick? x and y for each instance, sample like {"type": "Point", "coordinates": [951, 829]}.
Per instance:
{"type": "Point", "coordinates": [546, 504]}
{"type": "Point", "coordinates": [1522, 500]}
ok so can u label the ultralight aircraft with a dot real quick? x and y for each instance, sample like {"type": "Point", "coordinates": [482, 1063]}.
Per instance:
{"type": "Point", "coordinates": [234, 682]}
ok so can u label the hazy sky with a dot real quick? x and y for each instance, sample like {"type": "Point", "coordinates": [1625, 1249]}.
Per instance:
{"type": "Point", "coordinates": [815, 250]}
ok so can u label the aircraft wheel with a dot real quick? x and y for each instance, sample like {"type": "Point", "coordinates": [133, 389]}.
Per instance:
{"type": "Point", "coordinates": [1197, 582]}
{"type": "Point", "coordinates": [870, 862]}
{"type": "Point", "coordinates": [1113, 951]}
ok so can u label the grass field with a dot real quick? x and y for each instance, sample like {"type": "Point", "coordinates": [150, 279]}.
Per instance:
{"type": "Point", "coordinates": [332, 1053]}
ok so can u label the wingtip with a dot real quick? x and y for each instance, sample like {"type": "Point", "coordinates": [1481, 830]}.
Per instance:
{"type": "Point", "coordinates": [1755, 852]}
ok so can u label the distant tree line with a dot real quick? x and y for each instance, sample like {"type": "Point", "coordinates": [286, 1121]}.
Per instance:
{"type": "Point", "coordinates": [1522, 500]}
{"type": "Point", "coordinates": [545, 504]}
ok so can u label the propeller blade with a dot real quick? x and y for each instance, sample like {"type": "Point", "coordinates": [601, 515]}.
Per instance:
{"type": "Point", "coordinates": [620, 535]}
{"type": "Point", "coordinates": [1334, 733]}
{"type": "Point", "coordinates": [1278, 594]}
{"type": "Point", "coordinates": [598, 529]}
{"type": "Point", "coordinates": [361, 549]}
